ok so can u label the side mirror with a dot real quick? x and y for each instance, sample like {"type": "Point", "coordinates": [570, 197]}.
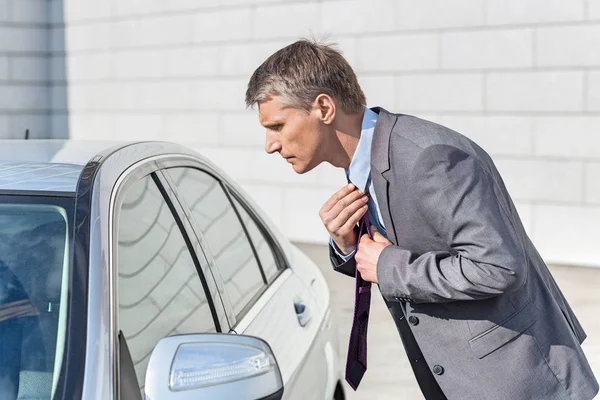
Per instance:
{"type": "Point", "coordinates": [213, 366]}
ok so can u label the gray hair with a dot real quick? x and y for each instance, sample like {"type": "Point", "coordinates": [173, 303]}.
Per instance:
{"type": "Point", "coordinates": [300, 72]}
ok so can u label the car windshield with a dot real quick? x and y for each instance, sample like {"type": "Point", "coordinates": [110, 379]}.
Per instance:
{"type": "Point", "coordinates": [34, 271]}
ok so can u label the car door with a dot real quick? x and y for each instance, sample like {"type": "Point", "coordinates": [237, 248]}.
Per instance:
{"type": "Point", "coordinates": [161, 288]}
{"type": "Point", "coordinates": [314, 375]}
{"type": "Point", "coordinates": [266, 299]}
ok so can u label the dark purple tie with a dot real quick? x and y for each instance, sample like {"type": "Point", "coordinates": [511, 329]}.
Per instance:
{"type": "Point", "coordinates": [356, 363]}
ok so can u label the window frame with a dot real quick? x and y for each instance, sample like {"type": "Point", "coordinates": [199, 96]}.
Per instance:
{"type": "Point", "coordinates": [230, 190]}
{"type": "Point", "coordinates": [135, 173]}
{"type": "Point", "coordinates": [280, 260]}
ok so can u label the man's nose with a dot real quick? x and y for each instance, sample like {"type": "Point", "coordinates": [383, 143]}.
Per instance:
{"type": "Point", "coordinates": [271, 143]}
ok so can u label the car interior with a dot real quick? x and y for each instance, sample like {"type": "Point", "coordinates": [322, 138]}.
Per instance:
{"type": "Point", "coordinates": [34, 260]}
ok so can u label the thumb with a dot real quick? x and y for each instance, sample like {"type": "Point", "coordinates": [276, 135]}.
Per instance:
{"type": "Point", "coordinates": [378, 237]}
{"type": "Point", "coordinates": [365, 238]}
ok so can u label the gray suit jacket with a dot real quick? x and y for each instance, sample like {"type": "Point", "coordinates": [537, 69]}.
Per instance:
{"type": "Point", "coordinates": [489, 311]}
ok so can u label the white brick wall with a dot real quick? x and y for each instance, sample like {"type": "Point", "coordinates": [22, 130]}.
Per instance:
{"type": "Point", "coordinates": [553, 91]}
{"type": "Point", "coordinates": [17, 98]}
{"type": "Point", "coordinates": [191, 62]}
{"type": "Point", "coordinates": [90, 67]}
{"type": "Point", "coordinates": [545, 180]}
{"type": "Point", "coordinates": [4, 68]}
{"type": "Point", "coordinates": [202, 129]}
{"type": "Point", "coordinates": [24, 67]}
{"type": "Point", "coordinates": [375, 16]}
{"type": "Point", "coordinates": [567, 234]}
{"type": "Point", "coordinates": [592, 189]}
{"type": "Point", "coordinates": [436, 14]}
{"type": "Point", "coordinates": [242, 59]}
{"type": "Point", "coordinates": [594, 9]}
{"type": "Point", "coordinates": [220, 26]}
{"type": "Point", "coordinates": [90, 10]}
{"type": "Point", "coordinates": [408, 53]}
{"type": "Point", "coordinates": [507, 12]}
{"type": "Point", "coordinates": [36, 123]}
{"type": "Point", "coordinates": [593, 90]}
{"type": "Point", "coordinates": [137, 64]}
{"type": "Point", "coordinates": [18, 39]}
{"type": "Point", "coordinates": [301, 225]}
{"type": "Point", "coordinates": [241, 130]}
{"type": "Point", "coordinates": [29, 69]}
{"type": "Point", "coordinates": [555, 46]}
{"type": "Point", "coordinates": [4, 127]}
{"type": "Point", "coordinates": [5, 11]}
{"type": "Point", "coordinates": [30, 11]}
{"type": "Point", "coordinates": [440, 92]}
{"type": "Point", "coordinates": [521, 78]}
{"type": "Point", "coordinates": [498, 135]}
{"type": "Point", "coordinates": [572, 137]}
{"type": "Point", "coordinates": [494, 49]}
{"type": "Point", "coordinates": [379, 89]}
{"type": "Point", "coordinates": [287, 21]}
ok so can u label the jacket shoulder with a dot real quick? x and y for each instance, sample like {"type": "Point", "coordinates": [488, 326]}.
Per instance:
{"type": "Point", "coordinates": [424, 133]}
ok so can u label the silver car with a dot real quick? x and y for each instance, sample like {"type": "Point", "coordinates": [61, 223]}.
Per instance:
{"type": "Point", "coordinates": [142, 271]}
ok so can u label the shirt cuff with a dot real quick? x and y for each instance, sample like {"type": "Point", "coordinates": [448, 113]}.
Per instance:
{"type": "Point", "coordinates": [339, 252]}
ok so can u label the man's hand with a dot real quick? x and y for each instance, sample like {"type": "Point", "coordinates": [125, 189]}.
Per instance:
{"type": "Point", "coordinates": [368, 254]}
{"type": "Point", "coordinates": [341, 213]}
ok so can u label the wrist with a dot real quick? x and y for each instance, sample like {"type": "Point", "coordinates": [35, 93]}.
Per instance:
{"type": "Point", "coordinates": [345, 248]}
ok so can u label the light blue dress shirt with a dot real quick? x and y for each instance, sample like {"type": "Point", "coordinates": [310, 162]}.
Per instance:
{"type": "Point", "coordinates": [359, 173]}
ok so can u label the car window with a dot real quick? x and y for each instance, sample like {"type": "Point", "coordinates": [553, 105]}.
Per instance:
{"type": "Point", "coordinates": [34, 289]}
{"type": "Point", "coordinates": [160, 292]}
{"type": "Point", "coordinates": [261, 245]}
{"type": "Point", "coordinates": [223, 233]}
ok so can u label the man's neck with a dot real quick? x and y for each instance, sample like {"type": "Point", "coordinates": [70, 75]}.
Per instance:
{"type": "Point", "coordinates": [348, 130]}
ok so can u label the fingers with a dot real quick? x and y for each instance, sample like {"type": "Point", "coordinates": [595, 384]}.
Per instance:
{"type": "Point", "coordinates": [350, 223]}
{"type": "Point", "coordinates": [340, 194]}
{"type": "Point", "coordinates": [340, 214]}
{"type": "Point", "coordinates": [349, 215]}
{"type": "Point", "coordinates": [343, 210]}
{"type": "Point", "coordinates": [349, 203]}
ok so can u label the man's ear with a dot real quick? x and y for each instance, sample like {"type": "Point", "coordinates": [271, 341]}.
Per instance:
{"type": "Point", "coordinates": [326, 108]}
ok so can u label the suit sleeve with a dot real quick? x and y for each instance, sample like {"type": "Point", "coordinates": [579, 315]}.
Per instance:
{"type": "Point", "coordinates": [461, 201]}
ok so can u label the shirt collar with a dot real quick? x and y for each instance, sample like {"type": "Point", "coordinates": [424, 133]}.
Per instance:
{"type": "Point", "coordinates": [360, 167]}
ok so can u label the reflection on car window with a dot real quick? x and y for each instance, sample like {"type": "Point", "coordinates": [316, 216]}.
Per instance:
{"type": "Point", "coordinates": [34, 260]}
{"type": "Point", "coordinates": [160, 292]}
{"type": "Point", "coordinates": [263, 249]}
{"type": "Point", "coordinates": [227, 242]}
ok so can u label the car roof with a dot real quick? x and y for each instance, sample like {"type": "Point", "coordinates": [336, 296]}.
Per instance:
{"type": "Point", "coordinates": [46, 165]}
{"type": "Point", "coordinates": [39, 177]}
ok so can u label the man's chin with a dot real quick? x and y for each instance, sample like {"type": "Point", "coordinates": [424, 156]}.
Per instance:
{"type": "Point", "coordinates": [302, 168]}
{"type": "Point", "coordinates": [298, 168]}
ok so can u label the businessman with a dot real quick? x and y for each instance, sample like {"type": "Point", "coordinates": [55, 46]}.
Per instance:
{"type": "Point", "coordinates": [427, 217]}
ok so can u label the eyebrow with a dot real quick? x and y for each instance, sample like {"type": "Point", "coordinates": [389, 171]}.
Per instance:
{"type": "Point", "coordinates": [273, 125]}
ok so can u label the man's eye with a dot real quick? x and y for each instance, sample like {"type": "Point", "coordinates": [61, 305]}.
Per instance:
{"type": "Point", "coordinates": [277, 128]}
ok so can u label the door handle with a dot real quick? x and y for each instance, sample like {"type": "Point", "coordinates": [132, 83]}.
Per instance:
{"type": "Point", "coordinates": [302, 312]}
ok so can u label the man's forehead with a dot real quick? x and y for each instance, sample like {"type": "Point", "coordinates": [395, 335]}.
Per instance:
{"type": "Point", "coordinates": [271, 110]}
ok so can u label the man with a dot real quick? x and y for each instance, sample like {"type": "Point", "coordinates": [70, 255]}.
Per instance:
{"type": "Point", "coordinates": [479, 314]}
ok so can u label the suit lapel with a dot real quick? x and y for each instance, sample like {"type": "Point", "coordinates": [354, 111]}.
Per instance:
{"type": "Point", "coordinates": [380, 166]}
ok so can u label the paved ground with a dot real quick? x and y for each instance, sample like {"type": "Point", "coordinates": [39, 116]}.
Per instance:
{"type": "Point", "coordinates": [389, 375]}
